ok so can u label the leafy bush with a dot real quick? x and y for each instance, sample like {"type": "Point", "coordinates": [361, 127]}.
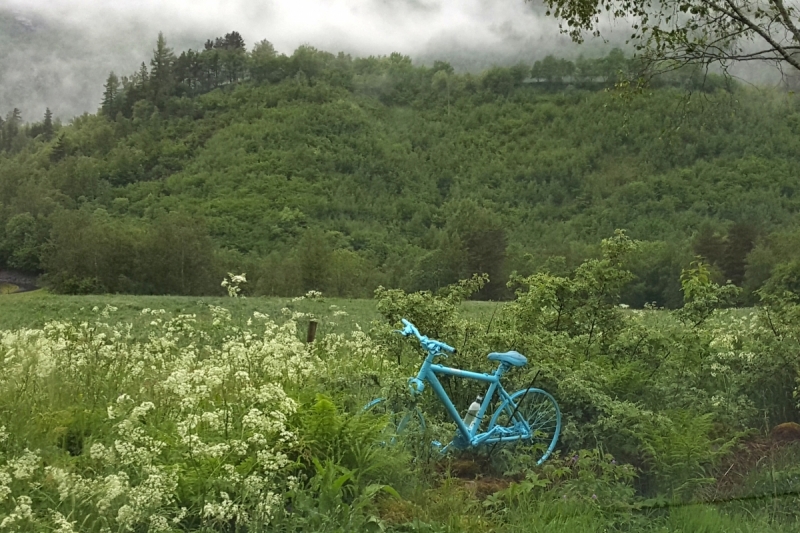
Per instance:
{"type": "Point", "coordinates": [176, 425]}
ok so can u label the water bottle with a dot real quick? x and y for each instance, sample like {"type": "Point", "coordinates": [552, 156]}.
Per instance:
{"type": "Point", "coordinates": [472, 412]}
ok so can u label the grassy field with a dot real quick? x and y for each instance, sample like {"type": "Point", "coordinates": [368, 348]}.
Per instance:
{"type": "Point", "coordinates": [34, 309]}
{"type": "Point", "coordinates": [70, 397]}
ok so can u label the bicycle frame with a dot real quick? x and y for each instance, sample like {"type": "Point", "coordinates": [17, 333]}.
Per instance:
{"type": "Point", "coordinates": [471, 437]}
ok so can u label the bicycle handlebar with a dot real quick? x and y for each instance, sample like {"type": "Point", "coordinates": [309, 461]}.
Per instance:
{"type": "Point", "coordinates": [431, 345]}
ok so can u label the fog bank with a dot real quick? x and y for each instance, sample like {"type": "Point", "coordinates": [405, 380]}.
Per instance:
{"type": "Point", "coordinates": [58, 53]}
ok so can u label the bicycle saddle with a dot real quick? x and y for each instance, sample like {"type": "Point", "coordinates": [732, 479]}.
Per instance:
{"type": "Point", "coordinates": [512, 358]}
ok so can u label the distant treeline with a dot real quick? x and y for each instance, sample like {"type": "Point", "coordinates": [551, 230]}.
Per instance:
{"type": "Point", "coordinates": [323, 171]}
{"type": "Point", "coordinates": [225, 60]}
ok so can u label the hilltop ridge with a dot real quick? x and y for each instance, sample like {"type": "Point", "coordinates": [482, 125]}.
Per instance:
{"type": "Point", "coordinates": [336, 173]}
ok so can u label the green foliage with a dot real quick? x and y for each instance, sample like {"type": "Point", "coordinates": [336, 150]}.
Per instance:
{"type": "Point", "coordinates": [435, 314]}
{"type": "Point", "coordinates": [682, 453]}
{"type": "Point", "coordinates": [333, 503]}
{"type": "Point", "coordinates": [702, 296]}
{"type": "Point", "coordinates": [349, 441]}
{"type": "Point", "coordinates": [327, 172]}
{"type": "Point", "coordinates": [585, 304]}
{"type": "Point", "coordinates": [233, 422]}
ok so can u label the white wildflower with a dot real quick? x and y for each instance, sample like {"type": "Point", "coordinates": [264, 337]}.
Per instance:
{"type": "Point", "coordinates": [159, 523]}
{"type": "Point", "coordinates": [180, 516]}
{"type": "Point", "coordinates": [22, 511]}
{"type": "Point", "coordinates": [232, 284]}
{"type": "Point", "coordinates": [62, 524]}
{"type": "Point", "coordinates": [5, 489]}
{"type": "Point", "coordinates": [114, 486]}
{"type": "Point", "coordinates": [25, 466]}
{"type": "Point", "coordinates": [141, 410]}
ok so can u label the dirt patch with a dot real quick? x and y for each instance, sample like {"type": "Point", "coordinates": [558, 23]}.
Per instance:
{"type": "Point", "coordinates": [749, 456]}
{"type": "Point", "coordinates": [477, 474]}
{"type": "Point", "coordinates": [787, 432]}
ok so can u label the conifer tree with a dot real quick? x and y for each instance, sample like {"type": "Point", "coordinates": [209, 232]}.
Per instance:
{"type": "Point", "coordinates": [137, 89]}
{"type": "Point", "coordinates": [142, 78]}
{"type": "Point", "coordinates": [233, 41]}
{"type": "Point", "coordinates": [234, 56]}
{"type": "Point", "coordinates": [59, 151]}
{"type": "Point", "coordinates": [110, 103]}
{"type": "Point", "coordinates": [47, 126]}
{"type": "Point", "coordinates": [11, 128]}
{"type": "Point", "coordinates": [162, 65]}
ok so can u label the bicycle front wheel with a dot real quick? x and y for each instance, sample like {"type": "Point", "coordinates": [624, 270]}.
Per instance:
{"type": "Point", "coordinates": [535, 413]}
{"type": "Point", "coordinates": [404, 424]}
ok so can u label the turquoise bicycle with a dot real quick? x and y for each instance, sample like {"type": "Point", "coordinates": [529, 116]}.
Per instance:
{"type": "Point", "coordinates": [530, 415]}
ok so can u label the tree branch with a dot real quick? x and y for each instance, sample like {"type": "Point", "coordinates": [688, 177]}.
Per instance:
{"type": "Point", "coordinates": [742, 18]}
{"type": "Point", "coordinates": [787, 19]}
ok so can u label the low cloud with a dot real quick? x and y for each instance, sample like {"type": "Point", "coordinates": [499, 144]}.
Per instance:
{"type": "Point", "coordinates": [57, 53]}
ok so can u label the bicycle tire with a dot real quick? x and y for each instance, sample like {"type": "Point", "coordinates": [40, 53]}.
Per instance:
{"type": "Point", "coordinates": [402, 422]}
{"type": "Point", "coordinates": [540, 410]}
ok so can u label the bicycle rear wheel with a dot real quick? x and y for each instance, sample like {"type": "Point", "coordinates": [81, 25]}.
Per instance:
{"type": "Point", "coordinates": [534, 409]}
{"type": "Point", "coordinates": [404, 423]}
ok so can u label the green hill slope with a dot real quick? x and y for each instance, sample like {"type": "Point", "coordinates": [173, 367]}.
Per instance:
{"type": "Point", "coordinates": [323, 172]}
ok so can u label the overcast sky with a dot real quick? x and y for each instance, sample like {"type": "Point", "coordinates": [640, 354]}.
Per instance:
{"type": "Point", "coordinates": [57, 53]}
{"type": "Point", "coordinates": [366, 26]}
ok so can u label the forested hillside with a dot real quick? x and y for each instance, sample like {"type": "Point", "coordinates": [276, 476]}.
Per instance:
{"type": "Point", "coordinates": [322, 171]}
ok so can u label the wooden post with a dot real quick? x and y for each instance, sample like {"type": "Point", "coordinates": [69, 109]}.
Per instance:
{"type": "Point", "coordinates": [312, 331]}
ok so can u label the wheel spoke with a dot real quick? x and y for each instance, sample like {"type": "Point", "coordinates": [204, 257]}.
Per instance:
{"type": "Point", "coordinates": [540, 412]}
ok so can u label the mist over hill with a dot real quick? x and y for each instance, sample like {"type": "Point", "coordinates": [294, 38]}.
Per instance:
{"type": "Point", "coordinates": [57, 54]}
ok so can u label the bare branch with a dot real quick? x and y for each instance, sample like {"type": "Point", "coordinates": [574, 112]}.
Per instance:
{"type": "Point", "coordinates": [787, 19]}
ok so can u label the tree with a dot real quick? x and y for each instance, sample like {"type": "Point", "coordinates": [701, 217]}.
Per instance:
{"type": "Point", "coordinates": [552, 70]}
{"type": "Point", "coordinates": [727, 252]}
{"type": "Point", "coordinates": [11, 129]}
{"type": "Point", "coordinates": [142, 78]}
{"type": "Point", "coordinates": [441, 82]}
{"type": "Point", "coordinates": [178, 256]}
{"type": "Point", "coordinates": [309, 61]}
{"type": "Point", "coordinates": [483, 242]}
{"type": "Point", "coordinates": [225, 57]}
{"type": "Point", "coordinates": [47, 126]}
{"type": "Point", "coordinates": [212, 68]}
{"type": "Point", "coordinates": [111, 102]}
{"type": "Point", "coordinates": [681, 32]}
{"type": "Point", "coordinates": [587, 71]}
{"type": "Point", "coordinates": [231, 41]}
{"type": "Point", "coordinates": [314, 254]}
{"type": "Point", "coordinates": [24, 239]}
{"type": "Point", "coordinates": [265, 64]}
{"type": "Point", "coordinates": [161, 73]}
{"type": "Point", "coordinates": [614, 66]}
{"type": "Point", "coordinates": [187, 73]}
{"type": "Point", "coordinates": [741, 240]}
{"type": "Point", "coordinates": [90, 252]}
{"type": "Point", "coordinates": [60, 150]}
{"type": "Point", "coordinates": [502, 80]}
